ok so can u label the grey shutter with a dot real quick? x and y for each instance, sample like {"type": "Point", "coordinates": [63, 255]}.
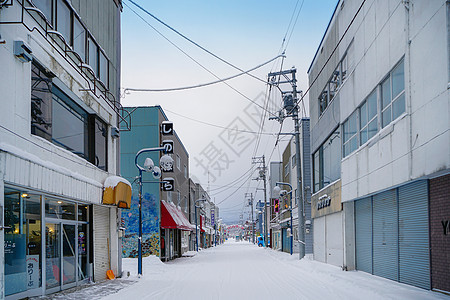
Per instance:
{"type": "Point", "coordinates": [414, 260]}
{"type": "Point", "coordinates": [101, 238]}
{"type": "Point", "coordinates": [385, 235]}
{"type": "Point", "coordinates": [363, 224]}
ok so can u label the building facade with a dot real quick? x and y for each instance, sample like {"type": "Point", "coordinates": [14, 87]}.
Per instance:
{"type": "Point", "coordinates": [380, 140]}
{"type": "Point", "coordinates": [165, 224]}
{"type": "Point", "coordinates": [59, 122]}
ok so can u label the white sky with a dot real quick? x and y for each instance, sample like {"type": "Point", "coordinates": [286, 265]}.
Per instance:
{"type": "Point", "coordinates": [245, 33]}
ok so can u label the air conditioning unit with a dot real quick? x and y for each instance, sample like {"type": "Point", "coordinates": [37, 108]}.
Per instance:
{"type": "Point", "coordinates": [22, 51]}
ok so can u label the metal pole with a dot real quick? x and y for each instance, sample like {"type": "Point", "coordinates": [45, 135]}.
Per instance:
{"type": "Point", "coordinates": [266, 228]}
{"type": "Point", "coordinates": [140, 226]}
{"type": "Point", "coordinates": [301, 222]}
{"type": "Point", "coordinates": [196, 227]}
{"type": "Point", "coordinates": [292, 232]}
{"type": "Point", "coordinates": [253, 223]}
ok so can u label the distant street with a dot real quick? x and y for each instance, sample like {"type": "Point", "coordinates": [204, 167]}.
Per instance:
{"type": "Point", "coordinates": [240, 270]}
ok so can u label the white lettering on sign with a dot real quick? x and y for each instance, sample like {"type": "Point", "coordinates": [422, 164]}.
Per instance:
{"type": "Point", "coordinates": [167, 128]}
{"type": "Point", "coordinates": [324, 201]}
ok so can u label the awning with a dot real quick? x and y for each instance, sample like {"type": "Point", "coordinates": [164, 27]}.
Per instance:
{"type": "Point", "coordinates": [117, 191]}
{"type": "Point", "coordinates": [173, 218]}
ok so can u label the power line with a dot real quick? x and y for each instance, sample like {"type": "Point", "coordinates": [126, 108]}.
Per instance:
{"type": "Point", "coordinates": [334, 50]}
{"type": "Point", "coordinates": [198, 63]}
{"type": "Point", "coordinates": [251, 174]}
{"type": "Point", "coordinates": [218, 126]}
{"type": "Point", "coordinates": [191, 41]}
{"type": "Point", "coordinates": [236, 180]}
{"type": "Point", "coordinates": [202, 84]}
{"type": "Point", "coordinates": [293, 26]}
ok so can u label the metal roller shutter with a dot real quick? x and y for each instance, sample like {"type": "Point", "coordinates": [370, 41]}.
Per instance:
{"type": "Point", "coordinates": [101, 238]}
{"type": "Point", "coordinates": [319, 239]}
{"type": "Point", "coordinates": [363, 224]}
{"type": "Point", "coordinates": [334, 239]}
{"type": "Point", "coordinates": [414, 260]}
{"type": "Point", "coordinates": [385, 235]}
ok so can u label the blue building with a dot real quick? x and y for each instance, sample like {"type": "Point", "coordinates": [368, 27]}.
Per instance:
{"type": "Point", "coordinates": [162, 235]}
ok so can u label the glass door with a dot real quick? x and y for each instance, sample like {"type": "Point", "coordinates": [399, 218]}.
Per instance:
{"type": "Point", "coordinates": [69, 256]}
{"type": "Point", "coordinates": [53, 255]}
{"type": "Point", "coordinates": [61, 264]}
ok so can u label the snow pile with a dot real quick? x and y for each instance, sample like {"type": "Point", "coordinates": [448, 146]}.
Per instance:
{"type": "Point", "coordinates": [150, 265]}
{"type": "Point", "coordinates": [112, 181]}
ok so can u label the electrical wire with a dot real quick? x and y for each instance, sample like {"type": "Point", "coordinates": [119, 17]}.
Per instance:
{"type": "Point", "coordinates": [218, 126]}
{"type": "Point", "coordinates": [334, 50]}
{"type": "Point", "coordinates": [191, 41]}
{"type": "Point", "coordinates": [202, 84]}
{"type": "Point", "coordinates": [198, 63]}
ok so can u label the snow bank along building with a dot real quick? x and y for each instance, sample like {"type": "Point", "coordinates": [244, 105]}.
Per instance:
{"type": "Point", "coordinates": [59, 93]}
{"type": "Point", "coordinates": [166, 226]}
{"type": "Point", "coordinates": [379, 106]}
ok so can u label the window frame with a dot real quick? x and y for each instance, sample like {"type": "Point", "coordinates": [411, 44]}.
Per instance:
{"type": "Point", "coordinates": [390, 106]}
{"type": "Point", "coordinates": [348, 141]}
{"type": "Point", "coordinates": [336, 80]}
{"type": "Point", "coordinates": [55, 95]}
{"type": "Point", "coordinates": [319, 162]}
{"type": "Point", "coordinates": [365, 127]}
{"type": "Point", "coordinates": [102, 75]}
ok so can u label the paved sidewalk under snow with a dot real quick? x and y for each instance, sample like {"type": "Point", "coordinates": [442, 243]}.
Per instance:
{"type": "Point", "coordinates": [240, 270]}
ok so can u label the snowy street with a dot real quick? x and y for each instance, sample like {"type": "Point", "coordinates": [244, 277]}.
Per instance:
{"type": "Point", "coordinates": [240, 270]}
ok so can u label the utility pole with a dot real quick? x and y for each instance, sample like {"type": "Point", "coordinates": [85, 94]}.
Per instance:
{"type": "Point", "coordinates": [290, 105]}
{"type": "Point", "coordinates": [262, 175]}
{"type": "Point", "coordinates": [253, 225]}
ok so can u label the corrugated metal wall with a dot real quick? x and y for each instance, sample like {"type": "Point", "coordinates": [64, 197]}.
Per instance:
{"type": "Point", "coordinates": [392, 234]}
{"type": "Point", "coordinates": [38, 176]}
{"type": "Point", "coordinates": [363, 224]}
{"type": "Point", "coordinates": [385, 235]}
{"type": "Point", "coordinates": [101, 238]}
{"type": "Point", "coordinates": [414, 259]}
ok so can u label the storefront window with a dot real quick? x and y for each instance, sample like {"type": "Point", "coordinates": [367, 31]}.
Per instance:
{"type": "Point", "coordinates": [82, 251]}
{"type": "Point", "coordinates": [59, 209]}
{"type": "Point", "coordinates": [22, 245]}
{"type": "Point", "coordinates": [82, 212]}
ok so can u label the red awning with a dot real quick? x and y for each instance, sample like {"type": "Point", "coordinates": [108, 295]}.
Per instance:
{"type": "Point", "coordinates": [172, 217]}
{"type": "Point", "coordinates": [201, 224]}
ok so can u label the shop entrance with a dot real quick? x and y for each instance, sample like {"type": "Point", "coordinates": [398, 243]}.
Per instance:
{"type": "Point", "coordinates": [66, 262]}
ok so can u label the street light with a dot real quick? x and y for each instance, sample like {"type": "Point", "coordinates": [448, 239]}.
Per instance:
{"type": "Point", "coordinates": [282, 193]}
{"type": "Point", "coordinates": [196, 228]}
{"type": "Point", "coordinates": [149, 166]}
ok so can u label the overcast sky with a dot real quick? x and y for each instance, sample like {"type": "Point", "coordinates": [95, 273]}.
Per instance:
{"type": "Point", "coordinates": [245, 34]}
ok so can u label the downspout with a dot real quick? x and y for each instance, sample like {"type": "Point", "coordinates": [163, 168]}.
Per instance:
{"type": "Point", "coordinates": [408, 91]}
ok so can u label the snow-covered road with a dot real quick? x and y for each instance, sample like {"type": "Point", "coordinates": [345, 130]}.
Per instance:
{"type": "Point", "coordinates": [239, 270]}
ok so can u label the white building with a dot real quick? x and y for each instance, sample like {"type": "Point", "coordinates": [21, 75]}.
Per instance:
{"type": "Point", "coordinates": [379, 107]}
{"type": "Point", "coordinates": [59, 92]}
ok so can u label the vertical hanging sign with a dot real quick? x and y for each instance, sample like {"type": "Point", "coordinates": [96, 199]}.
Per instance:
{"type": "Point", "coordinates": [167, 128]}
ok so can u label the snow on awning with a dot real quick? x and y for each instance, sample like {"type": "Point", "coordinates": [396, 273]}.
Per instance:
{"type": "Point", "coordinates": [173, 218]}
{"type": "Point", "coordinates": [117, 191]}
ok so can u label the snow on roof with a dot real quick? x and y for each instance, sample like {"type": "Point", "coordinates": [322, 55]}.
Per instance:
{"type": "Point", "coordinates": [112, 181]}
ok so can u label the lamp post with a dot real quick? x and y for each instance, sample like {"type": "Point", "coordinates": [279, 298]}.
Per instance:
{"type": "Point", "coordinates": [277, 191]}
{"type": "Point", "coordinates": [148, 167]}
{"type": "Point", "coordinates": [196, 226]}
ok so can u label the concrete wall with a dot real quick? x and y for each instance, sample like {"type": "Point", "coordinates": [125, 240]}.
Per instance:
{"type": "Point", "coordinates": [37, 164]}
